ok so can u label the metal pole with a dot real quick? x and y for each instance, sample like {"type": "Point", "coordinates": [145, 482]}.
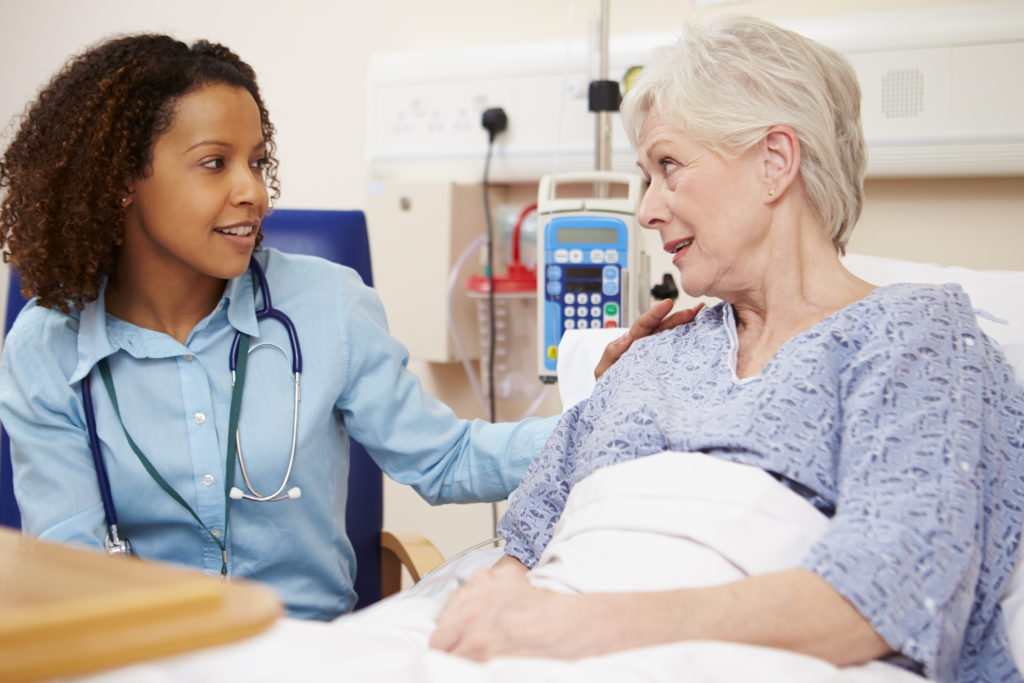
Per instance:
{"type": "Point", "coordinates": [603, 126]}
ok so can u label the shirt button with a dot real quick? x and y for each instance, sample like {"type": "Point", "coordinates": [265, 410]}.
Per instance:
{"type": "Point", "coordinates": [189, 357]}
{"type": "Point", "coordinates": [216, 533]}
{"type": "Point", "coordinates": [199, 418]}
{"type": "Point", "coordinates": [207, 479]}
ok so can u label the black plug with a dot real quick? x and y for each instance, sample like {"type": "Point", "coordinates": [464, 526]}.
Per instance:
{"type": "Point", "coordinates": [494, 120]}
{"type": "Point", "coordinates": [666, 290]}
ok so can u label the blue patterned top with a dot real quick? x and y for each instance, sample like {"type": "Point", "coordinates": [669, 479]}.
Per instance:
{"type": "Point", "coordinates": [897, 409]}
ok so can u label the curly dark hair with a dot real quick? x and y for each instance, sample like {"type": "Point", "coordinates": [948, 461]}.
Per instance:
{"type": "Point", "coordinates": [82, 143]}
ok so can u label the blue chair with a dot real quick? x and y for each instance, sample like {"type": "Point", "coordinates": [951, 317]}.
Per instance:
{"type": "Point", "coordinates": [338, 236]}
{"type": "Point", "coordinates": [9, 515]}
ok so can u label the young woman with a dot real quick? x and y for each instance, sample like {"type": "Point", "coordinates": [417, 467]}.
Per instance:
{"type": "Point", "coordinates": [134, 192]}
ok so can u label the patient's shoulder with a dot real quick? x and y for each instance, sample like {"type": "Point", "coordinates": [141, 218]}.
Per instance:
{"type": "Point", "coordinates": [933, 328]}
{"type": "Point", "coordinates": [924, 298]}
{"type": "Point", "coordinates": [908, 312]}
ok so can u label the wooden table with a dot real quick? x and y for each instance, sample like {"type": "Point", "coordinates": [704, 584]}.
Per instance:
{"type": "Point", "coordinates": [66, 611]}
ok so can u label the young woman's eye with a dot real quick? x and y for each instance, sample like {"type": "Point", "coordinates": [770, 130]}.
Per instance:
{"type": "Point", "coordinates": [214, 163]}
{"type": "Point", "coordinates": [261, 164]}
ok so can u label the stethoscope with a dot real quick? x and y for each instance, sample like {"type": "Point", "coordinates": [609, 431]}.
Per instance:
{"type": "Point", "coordinates": [237, 362]}
{"type": "Point", "coordinates": [268, 311]}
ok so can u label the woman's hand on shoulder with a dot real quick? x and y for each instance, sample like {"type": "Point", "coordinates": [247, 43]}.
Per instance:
{"type": "Point", "coordinates": [651, 322]}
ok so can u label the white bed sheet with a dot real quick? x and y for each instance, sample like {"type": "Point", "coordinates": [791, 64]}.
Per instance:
{"type": "Point", "coordinates": [732, 519]}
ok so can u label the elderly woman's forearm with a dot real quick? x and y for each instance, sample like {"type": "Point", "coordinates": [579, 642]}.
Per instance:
{"type": "Point", "coordinates": [795, 610]}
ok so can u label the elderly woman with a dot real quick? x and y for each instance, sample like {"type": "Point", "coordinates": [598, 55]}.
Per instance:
{"type": "Point", "coordinates": [885, 407]}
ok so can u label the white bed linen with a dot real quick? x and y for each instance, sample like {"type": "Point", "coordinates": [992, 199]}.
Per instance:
{"type": "Point", "coordinates": [732, 520]}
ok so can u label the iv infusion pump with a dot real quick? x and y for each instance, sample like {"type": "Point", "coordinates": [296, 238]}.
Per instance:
{"type": "Point", "coordinates": [591, 273]}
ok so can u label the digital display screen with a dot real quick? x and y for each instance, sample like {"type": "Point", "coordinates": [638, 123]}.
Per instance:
{"type": "Point", "coordinates": [583, 286]}
{"type": "Point", "coordinates": [587, 235]}
{"type": "Point", "coordinates": [584, 273]}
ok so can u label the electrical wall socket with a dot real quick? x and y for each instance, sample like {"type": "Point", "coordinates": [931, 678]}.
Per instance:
{"type": "Point", "coordinates": [942, 96]}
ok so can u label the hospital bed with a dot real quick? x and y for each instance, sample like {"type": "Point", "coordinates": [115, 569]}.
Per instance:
{"type": "Point", "coordinates": [386, 642]}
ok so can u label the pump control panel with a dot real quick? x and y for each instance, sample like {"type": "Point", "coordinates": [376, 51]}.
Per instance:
{"type": "Point", "coordinates": [588, 261]}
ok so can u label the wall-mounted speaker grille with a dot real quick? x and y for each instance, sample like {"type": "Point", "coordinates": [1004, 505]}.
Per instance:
{"type": "Point", "coordinates": [902, 93]}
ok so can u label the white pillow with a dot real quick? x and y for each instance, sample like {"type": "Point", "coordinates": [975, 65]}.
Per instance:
{"type": "Point", "coordinates": [578, 355]}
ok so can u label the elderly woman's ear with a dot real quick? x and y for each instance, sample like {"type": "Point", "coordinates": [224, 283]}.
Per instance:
{"type": "Point", "coordinates": [781, 161]}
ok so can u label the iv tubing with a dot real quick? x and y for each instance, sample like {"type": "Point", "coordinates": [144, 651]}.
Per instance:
{"type": "Point", "coordinates": [452, 279]}
{"type": "Point", "coordinates": [474, 381]}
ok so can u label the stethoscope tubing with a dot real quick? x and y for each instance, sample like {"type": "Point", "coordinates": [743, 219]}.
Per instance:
{"type": "Point", "coordinates": [268, 311]}
{"type": "Point", "coordinates": [102, 478]}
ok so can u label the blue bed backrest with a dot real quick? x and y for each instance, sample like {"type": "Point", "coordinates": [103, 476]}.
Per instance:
{"type": "Point", "coordinates": [9, 515]}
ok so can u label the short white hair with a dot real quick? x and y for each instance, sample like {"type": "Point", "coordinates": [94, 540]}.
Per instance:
{"type": "Point", "coordinates": [726, 84]}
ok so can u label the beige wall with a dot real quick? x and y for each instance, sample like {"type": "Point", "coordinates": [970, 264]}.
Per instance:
{"type": "Point", "coordinates": [312, 58]}
{"type": "Point", "coordinates": [971, 222]}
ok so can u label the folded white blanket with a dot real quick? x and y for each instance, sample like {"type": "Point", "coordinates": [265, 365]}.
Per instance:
{"type": "Point", "coordinates": [675, 520]}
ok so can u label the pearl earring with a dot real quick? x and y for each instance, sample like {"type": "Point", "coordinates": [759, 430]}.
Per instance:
{"type": "Point", "coordinates": [771, 192]}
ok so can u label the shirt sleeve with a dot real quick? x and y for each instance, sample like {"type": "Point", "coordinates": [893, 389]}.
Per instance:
{"type": "Point", "coordinates": [54, 478]}
{"type": "Point", "coordinates": [904, 547]}
{"type": "Point", "coordinates": [415, 438]}
{"type": "Point", "coordinates": [535, 507]}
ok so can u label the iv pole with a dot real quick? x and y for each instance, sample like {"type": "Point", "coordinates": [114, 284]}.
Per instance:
{"type": "Point", "coordinates": [603, 127]}
{"type": "Point", "coordinates": [604, 99]}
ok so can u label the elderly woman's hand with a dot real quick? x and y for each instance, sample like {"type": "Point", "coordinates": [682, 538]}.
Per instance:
{"type": "Point", "coordinates": [498, 613]}
{"type": "Point", "coordinates": [651, 322]}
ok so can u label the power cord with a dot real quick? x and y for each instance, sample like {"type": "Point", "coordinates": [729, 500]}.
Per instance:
{"type": "Point", "coordinates": [494, 121]}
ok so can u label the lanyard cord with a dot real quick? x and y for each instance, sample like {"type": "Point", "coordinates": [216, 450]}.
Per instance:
{"type": "Point", "coordinates": [229, 467]}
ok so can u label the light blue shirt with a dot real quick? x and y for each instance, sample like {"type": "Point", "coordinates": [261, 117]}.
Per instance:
{"type": "Point", "coordinates": [896, 410]}
{"type": "Point", "coordinates": [174, 400]}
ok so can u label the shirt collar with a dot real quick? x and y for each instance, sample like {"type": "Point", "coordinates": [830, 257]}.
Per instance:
{"type": "Point", "coordinates": [242, 303]}
{"type": "Point", "coordinates": [95, 344]}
